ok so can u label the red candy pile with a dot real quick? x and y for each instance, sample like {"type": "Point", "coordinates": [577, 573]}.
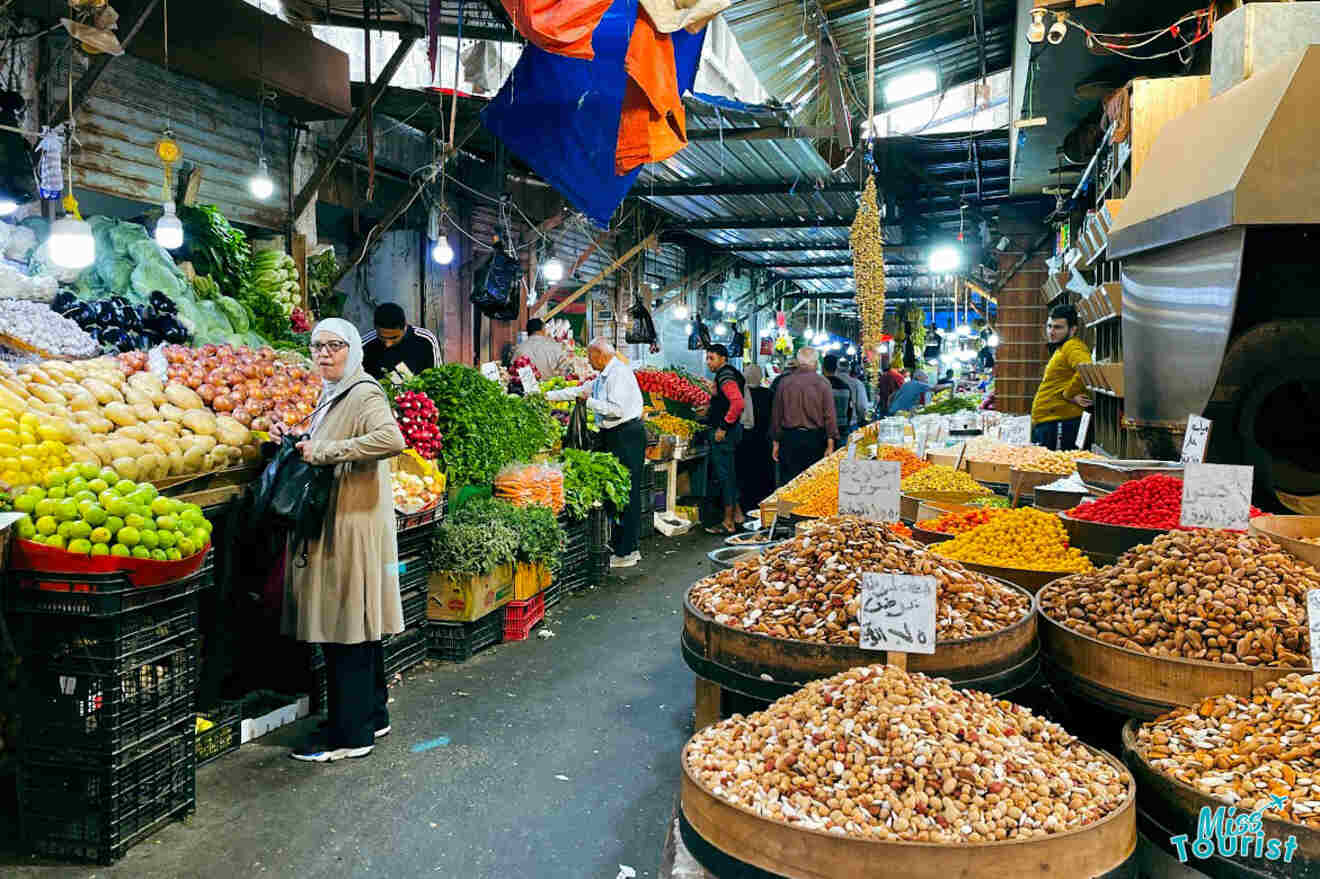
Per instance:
{"type": "Point", "coordinates": [1154, 502]}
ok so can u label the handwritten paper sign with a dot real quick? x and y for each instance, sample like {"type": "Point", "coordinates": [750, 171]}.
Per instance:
{"type": "Point", "coordinates": [923, 437]}
{"type": "Point", "coordinates": [1196, 439]}
{"type": "Point", "coordinates": [491, 371]}
{"type": "Point", "coordinates": [897, 613]}
{"type": "Point", "coordinates": [1082, 428]}
{"type": "Point", "coordinates": [528, 379]}
{"type": "Point", "coordinates": [1216, 496]}
{"type": "Point", "coordinates": [870, 489]}
{"type": "Point", "coordinates": [1016, 431]}
{"type": "Point", "coordinates": [1313, 621]}
{"type": "Point", "coordinates": [852, 448]}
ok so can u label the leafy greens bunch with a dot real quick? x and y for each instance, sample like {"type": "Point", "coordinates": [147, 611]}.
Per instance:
{"type": "Point", "coordinates": [592, 477]}
{"type": "Point", "coordinates": [539, 535]}
{"type": "Point", "coordinates": [469, 547]}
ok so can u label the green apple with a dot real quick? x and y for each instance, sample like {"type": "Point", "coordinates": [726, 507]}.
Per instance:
{"type": "Point", "coordinates": [94, 515]}
{"type": "Point", "coordinates": [37, 492]}
{"type": "Point", "coordinates": [101, 535]}
{"type": "Point", "coordinates": [167, 539]}
{"type": "Point", "coordinates": [159, 555]}
{"type": "Point", "coordinates": [56, 493]}
{"type": "Point", "coordinates": [80, 546]}
{"type": "Point", "coordinates": [97, 485]}
{"type": "Point", "coordinates": [133, 520]}
{"type": "Point", "coordinates": [121, 551]}
{"type": "Point", "coordinates": [65, 530]}
{"type": "Point", "coordinates": [166, 523]}
{"type": "Point", "coordinates": [67, 510]}
{"type": "Point", "coordinates": [129, 536]}
{"type": "Point", "coordinates": [117, 506]}
{"type": "Point", "coordinates": [124, 487]}
{"type": "Point", "coordinates": [46, 507]}
{"type": "Point", "coordinates": [186, 547]}
{"type": "Point", "coordinates": [46, 526]}
{"type": "Point", "coordinates": [56, 477]}
{"type": "Point", "coordinates": [200, 537]}
{"type": "Point", "coordinates": [150, 490]}
{"type": "Point", "coordinates": [100, 549]}
{"type": "Point", "coordinates": [150, 539]}
{"type": "Point", "coordinates": [113, 524]}
{"type": "Point", "coordinates": [80, 530]}
{"type": "Point", "coordinates": [76, 484]}
{"type": "Point", "coordinates": [85, 495]}
{"type": "Point", "coordinates": [88, 471]}
{"type": "Point", "coordinates": [26, 530]}
{"type": "Point", "coordinates": [55, 541]}
{"type": "Point", "coordinates": [141, 552]}
{"type": "Point", "coordinates": [108, 476]}
{"type": "Point", "coordinates": [173, 554]}
{"type": "Point", "coordinates": [163, 506]}
{"type": "Point", "coordinates": [25, 503]}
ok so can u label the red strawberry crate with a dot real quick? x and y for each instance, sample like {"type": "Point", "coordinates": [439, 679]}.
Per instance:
{"type": "Point", "coordinates": [521, 616]}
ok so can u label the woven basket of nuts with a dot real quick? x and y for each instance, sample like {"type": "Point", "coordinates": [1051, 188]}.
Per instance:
{"type": "Point", "coordinates": [1193, 615]}
{"type": "Point", "coordinates": [879, 773]}
{"type": "Point", "coordinates": [789, 615]}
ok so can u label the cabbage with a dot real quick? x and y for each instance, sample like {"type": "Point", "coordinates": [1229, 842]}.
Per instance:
{"type": "Point", "coordinates": [149, 251]}
{"type": "Point", "coordinates": [115, 272]}
{"type": "Point", "coordinates": [124, 235]}
{"type": "Point", "coordinates": [151, 275]}
{"type": "Point", "coordinates": [237, 314]}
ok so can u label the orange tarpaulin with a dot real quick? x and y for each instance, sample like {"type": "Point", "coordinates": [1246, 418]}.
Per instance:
{"type": "Point", "coordinates": [652, 127]}
{"type": "Point", "coordinates": [563, 27]}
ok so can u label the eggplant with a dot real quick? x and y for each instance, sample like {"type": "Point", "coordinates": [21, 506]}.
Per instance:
{"type": "Point", "coordinates": [135, 341]}
{"type": "Point", "coordinates": [162, 303]}
{"type": "Point", "coordinates": [114, 337]}
{"type": "Point", "coordinates": [132, 318]}
{"type": "Point", "coordinates": [63, 302]}
{"type": "Point", "coordinates": [84, 314]}
{"type": "Point", "coordinates": [177, 334]}
{"type": "Point", "coordinates": [106, 313]}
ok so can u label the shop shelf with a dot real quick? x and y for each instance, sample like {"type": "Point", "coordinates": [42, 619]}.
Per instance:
{"type": "Point", "coordinates": [414, 606]}
{"type": "Point", "coordinates": [405, 650]}
{"type": "Point", "coordinates": [101, 707]}
{"type": "Point", "coordinates": [224, 735]}
{"type": "Point", "coordinates": [118, 638]}
{"type": "Point", "coordinates": [93, 595]}
{"type": "Point", "coordinates": [457, 642]}
{"type": "Point", "coordinates": [95, 810]}
{"type": "Point", "coordinates": [521, 616]}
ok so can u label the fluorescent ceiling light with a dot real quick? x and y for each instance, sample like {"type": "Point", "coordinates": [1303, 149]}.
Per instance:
{"type": "Point", "coordinates": [909, 86]}
{"type": "Point", "coordinates": [944, 259]}
{"type": "Point", "coordinates": [891, 6]}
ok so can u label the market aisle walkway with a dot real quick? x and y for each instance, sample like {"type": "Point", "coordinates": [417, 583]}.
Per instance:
{"type": "Point", "coordinates": [606, 704]}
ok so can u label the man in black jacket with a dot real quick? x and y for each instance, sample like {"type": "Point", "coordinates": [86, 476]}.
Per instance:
{"type": "Point", "coordinates": [395, 342]}
{"type": "Point", "coordinates": [724, 418]}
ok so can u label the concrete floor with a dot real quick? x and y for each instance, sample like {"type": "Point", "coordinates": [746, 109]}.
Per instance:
{"type": "Point", "coordinates": [561, 761]}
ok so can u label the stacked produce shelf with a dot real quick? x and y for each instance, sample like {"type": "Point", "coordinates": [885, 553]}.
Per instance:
{"type": "Point", "coordinates": [107, 750]}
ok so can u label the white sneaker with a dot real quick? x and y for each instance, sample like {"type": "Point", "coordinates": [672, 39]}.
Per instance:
{"type": "Point", "coordinates": [329, 755]}
{"type": "Point", "coordinates": [635, 555]}
{"type": "Point", "coordinates": [627, 561]}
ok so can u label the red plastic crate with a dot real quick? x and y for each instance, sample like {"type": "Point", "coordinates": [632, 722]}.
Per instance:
{"type": "Point", "coordinates": [521, 616]}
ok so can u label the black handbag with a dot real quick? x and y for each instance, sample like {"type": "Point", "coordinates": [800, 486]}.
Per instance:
{"type": "Point", "coordinates": [578, 435]}
{"type": "Point", "coordinates": [293, 496]}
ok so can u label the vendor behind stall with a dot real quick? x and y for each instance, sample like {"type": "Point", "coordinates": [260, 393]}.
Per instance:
{"type": "Point", "coordinates": [394, 342]}
{"type": "Point", "coordinates": [546, 354]}
{"type": "Point", "coordinates": [1056, 411]}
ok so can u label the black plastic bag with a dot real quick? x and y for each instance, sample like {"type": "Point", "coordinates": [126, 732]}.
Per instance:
{"type": "Point", "coordinates": [700, 338]}
{"type": "Point", "coordinates": [495, 288]}
{"type": "Point", "coordinates": [643, 328]}
{"type": "Point", "coordinates": [578, 436]}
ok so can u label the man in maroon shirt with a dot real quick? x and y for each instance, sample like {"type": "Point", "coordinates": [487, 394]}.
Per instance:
{"type": "Point", "coordinates": [724, 418]}
{"type": "Point", "coordinates": [803, 426]}
{"type": "Point", "coordinates": [888, 384]}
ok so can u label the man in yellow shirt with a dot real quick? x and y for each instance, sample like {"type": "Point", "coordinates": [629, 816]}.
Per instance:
{"type": "Point", "coordinates": [1056, 411]}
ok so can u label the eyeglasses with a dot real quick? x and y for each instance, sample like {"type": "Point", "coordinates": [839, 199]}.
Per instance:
{"type": "Point", "coordinates": [332, 347]}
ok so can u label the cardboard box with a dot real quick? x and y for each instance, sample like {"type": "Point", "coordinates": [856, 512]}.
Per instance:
{"type": "Point", "coordinates": [256, 727]}
{"type": "Point", "coordinates": [468, 597]}
{"type": "Point", "coordinates": [529, 580]}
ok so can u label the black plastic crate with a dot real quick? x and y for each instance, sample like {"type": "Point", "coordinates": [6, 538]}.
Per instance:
{"type": "Point", "coordinates": [93, 595]}
{"type": "Point", "coordinates": [413, 521]}
{"type": "Point", "coordinates": [225, 734]}
{"type": "Point", "coordinates": [405, 650]}
{"type": "Point", "coordinates": [100, 707]}
{"type": "Point", "coordinates": [555, 592]}
{"type": "Point", "coordinates": [416, 542]}
{"type": "Point", "coordinates": [95, 810]}
{"type": "Point", "coordinates": [414, 607]}
{"type": "Point", "coordinates": [457, 642]}
{"type": "Point", "coordinates": [119, 638]}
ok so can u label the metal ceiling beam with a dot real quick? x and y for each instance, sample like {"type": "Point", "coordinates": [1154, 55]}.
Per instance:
{"type": "Point", "coordinates": [820, 263]}
{"type": "Point", "coordinates": [785, 187]}
{"type": "Point", "coordinates": [404, 28]}
{"type": "Point", "coordinates": [767, 132]}
{"type": "Point", "coordinates": [347, 135]}
{"type": "Point", "coordinates": [766, 223]}
{"type": "Point", "coordinates": [94, 70]}
{"type": "Point", "coordinates": [978, 14]}
{"type": "Point", "coordinates": [783, 247]}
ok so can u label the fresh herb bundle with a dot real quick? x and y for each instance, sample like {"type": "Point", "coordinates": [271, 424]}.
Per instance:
{"type": "Point", "coordinates": [593, 477]}
{"type": "Point", "coordinates": [539, 535]}
{"type": "Point", "coordinates": [472, 547]}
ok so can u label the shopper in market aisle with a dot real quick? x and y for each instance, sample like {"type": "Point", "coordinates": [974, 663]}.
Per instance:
{"type": "Point", "coordinates": [845, 401]}
{"type": "Point", "coordinates": [861, 398]}
{"type": "Point", "coordinates": [888, 384]}
{"type": "Point", "coordinates": [546, 354]}
{"type": "Point", "coordinates": [803, 426]}
{"type": "Point", "coordinates": [1056, 411]}
{"type": "Point", "coordinates": [724, 418]}
{"type": "Point", "coordinates": [615, 397]}
{"type": "Point", "coordinates": [756, 476]}
{"type": "Point", "coordinates": [346, 596]}
{"type": "Point", "coordinates": [395, 342]}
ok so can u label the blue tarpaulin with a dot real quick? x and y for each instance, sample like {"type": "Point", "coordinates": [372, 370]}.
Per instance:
{"type": "Point", "coordinates": [561, 115]}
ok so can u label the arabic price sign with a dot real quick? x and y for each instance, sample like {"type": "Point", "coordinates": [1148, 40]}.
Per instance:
{"type": "Point", "coordinates": [1016, 431]}
{"type": "Point", "coordinates": [528, 379]}
{"type": "Point", "coordinates": [1216, 496]}
{"type": "Point", "coordinates": [897, 613]}
{"type": "Point", "coordinates": [870, 489]}
{"type": "Point", "coordinates": [1196, 439]}
{"type": "Point", "coordinates": [491, 371]}
{"type": "Point", "coordinates": [1082, 428]}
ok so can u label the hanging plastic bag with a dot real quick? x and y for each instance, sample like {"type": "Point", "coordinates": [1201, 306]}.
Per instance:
{"type": "Point", "coordinates": [495, 289]}
{"type": "Point", "coordinates": [578, 435]}
{"type": "Point", "coordinates": [642, 331]}
{"type": "Point", "coordinates": [700, 338]}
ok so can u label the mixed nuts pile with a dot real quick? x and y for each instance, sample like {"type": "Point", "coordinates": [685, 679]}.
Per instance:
{"type": "Point", "coordinates": [808, 588]}
{"type": "Point", "coordinates": [1242, 750]}
{"type": "Point", "coordinates": [877, 753]}
{"type": "Point", "coordinates": [1220, 596]}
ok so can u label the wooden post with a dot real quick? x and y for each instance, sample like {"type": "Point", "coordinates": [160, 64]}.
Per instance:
{"type": "Point", "coordinates": [602, 275]}
{"type": "Point", "coordinates": [897, 659]}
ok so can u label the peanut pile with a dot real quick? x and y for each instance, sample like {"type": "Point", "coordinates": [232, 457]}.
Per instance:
{"type": "Point", "coordinates": [1242, 750]}
{"type": "Point", "coordinates": [880, 754]}
{"type": "Point", "coordinates": [1220, 596]}
{"type": "Point", "coordinates": [808, 588]}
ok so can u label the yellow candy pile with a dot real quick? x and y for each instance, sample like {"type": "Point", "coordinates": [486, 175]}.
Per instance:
{"type": "Point", "coordinates": [1025, 538]}
{"type": "Point", "coordinates": [938, 477]}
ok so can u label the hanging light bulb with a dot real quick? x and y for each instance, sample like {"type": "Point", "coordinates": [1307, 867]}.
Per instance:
{"type": "Point", "coordinates": [721, 329]}
{"type": "Point", "coordinates": [71, 243]}
{"type": "Point", "coordinates": [442, 252]}
{"type": "Point", "coordinates": [964, 330]}
{"type": "Point", "coordinates": [993, 341]}
{"type": "Point", "coordinates": [261, 185]}
{"type": "Point", "coordinates": [553, 270]}
{"type": "Point", "coordinates": [688, 329]}
{"type": "Point", "coordinates": [169, 231]}
{"type": "Point", "coordinates": [7, 205]}
{"type": "Point", "coordinates": [852, 350]}
{"type": "Point", "coordinates": [681, 312]}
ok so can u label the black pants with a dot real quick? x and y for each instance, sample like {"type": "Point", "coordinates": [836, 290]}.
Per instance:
{"type": "Point", "coordinates": [627, 442]}
{"type": "Point", "coordinates": [1056, 435]}
{"type": "Point", "coordinates": [357, 696]}
{"type": "Point", "coordinates": [799, 448]}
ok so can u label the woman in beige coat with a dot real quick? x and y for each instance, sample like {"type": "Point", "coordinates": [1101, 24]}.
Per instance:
{"type": "Point", "coordinates": [346, 598]}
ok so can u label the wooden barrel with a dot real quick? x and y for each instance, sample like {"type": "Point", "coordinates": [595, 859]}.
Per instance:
{"type": "Point", "coordinates": [765, 668]}
{"type": "Point", "coordinates": [727, 556]}
{"type": "Point", "coordinates": [1168, 807]}
{"type": "Point", "coordinates": [1139, 684]}
{"type": "Point", "coordinates": [926, 538]}
{"type": "Point", "coordinates": [1105, 543]}
{"type": "Point", "coordinates": [799, 853]}
{"type": "Point", "coordinates": [1032, 581]}
{"type": "Point", "coordinates": [1288, 531]}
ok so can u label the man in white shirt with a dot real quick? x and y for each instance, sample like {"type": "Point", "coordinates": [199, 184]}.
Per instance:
{"type": "Point", "coordinates": [545, 353]}
{"type": "Point", "coordinates": [617, 401]}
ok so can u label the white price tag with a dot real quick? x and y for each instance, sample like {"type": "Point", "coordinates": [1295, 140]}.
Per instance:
{"type": "Point", "coordinates": [1216, 496]}
{"type": "Point", "coordinates": [1082, 428]}
{"type": "Point", "coordinates": [491, 371]}
{"type": "Point", "coordinates": [1196, 439]}
{"type": "Point", "coordinates": [1313, 622]}
{"type": "Point", "coordinates": [852, 448]}
{"type": "Point", "coordinates": [528, 379]}
{"type": "Point", "coordinates": [898, 613]}
{"type": "Point", "coordinates": [1016, 431]}
{"type": "Point", "coordinates": [923, 437]}
{"type": "Point", "coordinates": [870, 489]}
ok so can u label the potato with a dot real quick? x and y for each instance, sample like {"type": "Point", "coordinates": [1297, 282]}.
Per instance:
{"type": "Point", "coordinates": [127, 468]}
{"type": "Point", "coordinates": [145, 412]}
{"type": "Point", "coordinates": [135, 432]}
{"type": "Point", "coordinates": [177, 467]}
{"type": "Point", "coordinates": [102, 391]}
{"type": "Point", "coordinates": [123, 447]}
{"type": "Point", "coordinates": [48, 394]}
{"type": "Point", "coordinates": [30, 372]}
{"type": "Point", "coordinates": [11, 400]}
{"type": "Point", "coordinates": [194, 459]}
{"type": "Point", "coordinates": [167, 427]}
{"type": "Point", "coordinates": [132, 396]}
{"type": "Point", "coordinates": [146, 383]}
{"type": "Point", "coordinates": [95, 421]}
{"type": "Point", "coordinates": [198, 441]}
{"type": "Point", "coordinates": [231, 432]}
{"type": "Point", "coordinates": [102, 451]}
{"type": "Point", "coordinates": [84, 455]}
{"type": "Point", "coordinates": [120, 413]}
{"type": "Point", "coordinates": [200, 421]}
{"type": "Point", "coordinates": [153, 465]}
{"type": "Point", "coordinates": [251, 452]}
{"type": "Point", "coordinates": [166, 443]}
{"type": "Point", "coordinates": [229, 454]}
{"type": "Point", "coordinates": [183, 396]}
{"type": "Point", "coordinates": [82, 434]}
{"type": "Point", "coordinates": [170, 412]}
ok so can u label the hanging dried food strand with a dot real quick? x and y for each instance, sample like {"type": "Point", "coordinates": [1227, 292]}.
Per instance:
{"type": "Point", "coordinates": [869, 271]}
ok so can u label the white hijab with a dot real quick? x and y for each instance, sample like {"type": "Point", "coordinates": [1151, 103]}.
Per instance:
{"type": "Point", "coordinates": [344, 331]}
